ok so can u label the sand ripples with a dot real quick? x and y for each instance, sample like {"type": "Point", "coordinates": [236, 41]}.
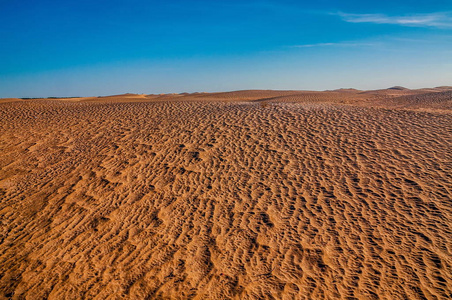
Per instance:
{"type": "Point", "coordinates": [219, 200]}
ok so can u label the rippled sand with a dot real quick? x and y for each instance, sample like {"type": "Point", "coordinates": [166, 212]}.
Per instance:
{"type": "Point", "coordinates": [245, 195]}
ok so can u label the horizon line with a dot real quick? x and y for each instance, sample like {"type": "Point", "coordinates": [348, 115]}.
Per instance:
{"type": "Point", "coordinates": [396, 87]}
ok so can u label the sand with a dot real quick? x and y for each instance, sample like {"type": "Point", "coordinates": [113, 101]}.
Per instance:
{"type": "Point", "coordinates": [246, 195]}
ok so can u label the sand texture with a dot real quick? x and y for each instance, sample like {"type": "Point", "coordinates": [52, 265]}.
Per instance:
{"type": "Point", "coordinates": [341, 194]}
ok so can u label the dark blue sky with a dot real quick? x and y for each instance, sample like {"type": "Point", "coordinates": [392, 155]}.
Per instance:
{"type": "Point", "coordinates": [64, 48]}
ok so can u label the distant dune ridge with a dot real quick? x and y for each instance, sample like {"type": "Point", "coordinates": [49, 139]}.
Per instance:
{"type": "Point", "coordinates": [258, 194]}
{"type": "Point", "coordinates": [437, 99]}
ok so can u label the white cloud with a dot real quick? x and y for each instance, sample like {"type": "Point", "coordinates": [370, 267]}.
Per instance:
{"type": "Point", "coordinates": [439, 20]}
{"type": "Point", "coordinates": [340, 44]}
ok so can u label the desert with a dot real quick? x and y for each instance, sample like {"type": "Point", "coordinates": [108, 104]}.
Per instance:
{"type": "Point", "coordinates": [256, 194]}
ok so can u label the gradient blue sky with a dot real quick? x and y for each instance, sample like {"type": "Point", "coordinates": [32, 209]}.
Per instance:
{"type": "Point", "coordinates": [97, 47]}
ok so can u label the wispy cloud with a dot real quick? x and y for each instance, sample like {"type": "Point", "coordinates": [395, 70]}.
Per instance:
{"type": "Point", "coordinates": [439, 19]}
{"type": "Point", "coordinates": [340, 44]}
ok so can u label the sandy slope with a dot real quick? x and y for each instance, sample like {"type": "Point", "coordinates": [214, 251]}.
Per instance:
{"type": "Point", "coordinates": [219, 196]}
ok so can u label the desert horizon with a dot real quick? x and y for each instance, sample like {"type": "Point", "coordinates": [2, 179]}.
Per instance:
{"type": "Point", "coordinates": [393, 90]}
{"type": "Point", "coordinates": [252, 194]}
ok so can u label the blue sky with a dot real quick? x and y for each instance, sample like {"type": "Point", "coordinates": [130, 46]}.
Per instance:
{"type": "Point", "coordinates": [90, 48]}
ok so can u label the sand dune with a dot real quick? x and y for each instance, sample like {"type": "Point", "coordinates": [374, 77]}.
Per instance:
{"type": "Point", "coordinates": [241, 195]}
{"type": "Point", "coordinates": [428, 101]}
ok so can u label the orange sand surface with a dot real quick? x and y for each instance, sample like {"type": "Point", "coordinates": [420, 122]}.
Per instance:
{"type": "Point", "coordinates": [341, 194]}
